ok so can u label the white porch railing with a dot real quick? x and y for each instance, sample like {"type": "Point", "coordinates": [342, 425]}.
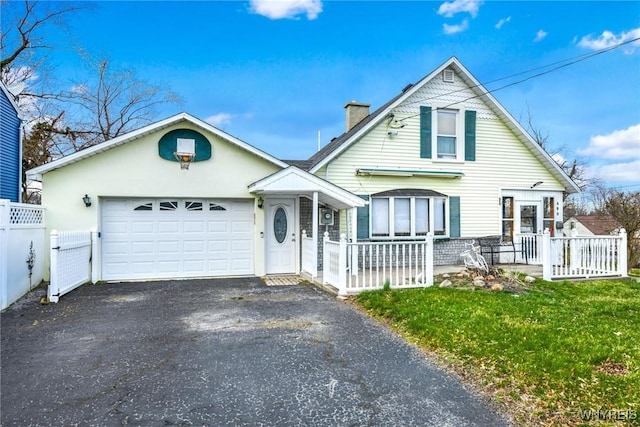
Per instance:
{"type": "Point", "coordinates": [528, 248]}
{"type": "Point", "coordinates": [584, 256]}
{"type": "Point", "coordinates": [309, 258]}
{"type": "Point", "coordinates": [70, 261]}
{"type": "Point", "coordinates": [358, 266]}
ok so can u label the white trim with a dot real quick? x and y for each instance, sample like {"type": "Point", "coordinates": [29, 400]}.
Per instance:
{"type": "Point", "coordinates": [301, 181]}
{"type": "Point", "coordinates": [476, 87]}
{"type": "Point", "coordinates": [36, 173]}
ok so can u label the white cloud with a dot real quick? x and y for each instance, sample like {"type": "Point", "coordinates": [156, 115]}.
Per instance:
{"type": "Point", "coordinates": [453, 29]}
{"type": "Point", "coordinates": [609, 39]}
{"type": "Point", "coordinates": [502, 22]}
{"type": "Point", "coordinates": [540, 35]}
{"type": "Point", "coordinates": [449, 9]}
{"type": "Point", "coordinates": [220, 119]}
{"type": "Point", "coordinates": [618, 145]}
{"type": "Point", "coordinates": [619, 172]}
{"type": "Point", "coordinates": [280, 9]}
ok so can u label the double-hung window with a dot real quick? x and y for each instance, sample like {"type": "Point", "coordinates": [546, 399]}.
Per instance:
{"type": "Point", "coordinates": [447, 134]}
{"type": "Point", "coordinates": [398, 215]}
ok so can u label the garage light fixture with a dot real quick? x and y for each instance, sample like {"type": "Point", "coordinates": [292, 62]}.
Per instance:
{"type": "Point", "coordinates": [260, 202]}
{"type": "Point", "coordinates": [87, 200]}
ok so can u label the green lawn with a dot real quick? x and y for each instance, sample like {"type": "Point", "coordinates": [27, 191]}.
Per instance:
{"type": "Point", "coordinates": [546, 356]}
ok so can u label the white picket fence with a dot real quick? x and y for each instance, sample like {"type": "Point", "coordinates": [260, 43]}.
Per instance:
{"type": "Point", "coordinates": [309, 255]}
{"type": "Point", "coordinates": [70, 261]}
{"type": "Point", "coordinates": [583, 256]}
{"type": "Point", "coordinates": [22, 249]}
{"type": "Point", "coordinates": [353, 267]}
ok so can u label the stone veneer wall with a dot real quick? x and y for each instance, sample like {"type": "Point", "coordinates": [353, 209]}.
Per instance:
{"type": "Point", "coordinates": [445, 251]}
{"type": "Point", "coordinates": [306, 223]}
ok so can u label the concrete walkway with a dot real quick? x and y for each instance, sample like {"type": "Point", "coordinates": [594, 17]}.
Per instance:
{"type": "Point", "coordinates": [217, 353]}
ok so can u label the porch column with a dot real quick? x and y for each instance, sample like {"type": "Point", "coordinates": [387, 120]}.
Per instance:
{"type": "Point", "coordinates": [314, 228]}
{"type": "Point", "coordinates": [354, 225]}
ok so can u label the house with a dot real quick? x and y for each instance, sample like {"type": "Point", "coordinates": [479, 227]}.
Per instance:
{"type": "Point", "coordinates": [10, 146]}
{"type": "Point", "coordinates": [592, 225]}
{"type": "Point", "coordinates": [181, 198]}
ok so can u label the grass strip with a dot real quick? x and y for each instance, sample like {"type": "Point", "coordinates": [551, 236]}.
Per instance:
{"type": "Point", "coordinates": [563, 353]}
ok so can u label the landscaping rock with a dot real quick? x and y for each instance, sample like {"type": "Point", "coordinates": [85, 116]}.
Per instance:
{"type": "Point", "coordinates": [446, 284]}
{"type": "Point", "coordinates": [490, 277]}
{"type": "Point", "coordinates": [478, 282]}
{"type": "Point", "coordinates": [497, 287]}
{"type": "Point", "coordinates": [529, 279]}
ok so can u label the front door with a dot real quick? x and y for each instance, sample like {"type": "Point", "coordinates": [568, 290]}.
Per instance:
{"type": "Point", "coordinates": [528, 223]}
{"type": "Point", "coordinates": [281, 238]}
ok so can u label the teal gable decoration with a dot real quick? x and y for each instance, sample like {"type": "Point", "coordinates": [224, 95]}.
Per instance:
{"type": "Point", "coordinates": [168, 143]}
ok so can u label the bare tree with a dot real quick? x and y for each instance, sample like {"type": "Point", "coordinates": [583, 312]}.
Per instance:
{"type": "Point", "coordinates": [625, 208]}
{"type": "Point", "coordinates": [111, 103]}
{"type": "Point", "coordinates": [59, 120]}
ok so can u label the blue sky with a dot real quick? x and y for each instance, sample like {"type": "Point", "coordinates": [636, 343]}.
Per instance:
{"type": "Point", "coordinates": [275, 73]}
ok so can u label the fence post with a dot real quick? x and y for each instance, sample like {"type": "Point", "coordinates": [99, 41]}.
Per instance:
{"type": "Point", "coordinates": [94, 256]}
{"type": "Point", "coordinates": [342, 267]}
{"type": "Point", "coordinates": [575, 249]}
{"type": "Point", "coordinates": [428, 274]}
{"type": "Point", "coordinates": [53, 290]}
{"type": "Point", "coordinates": [546, 255]}
{"type": "Point", "coordinates": [325, 255]}
{"type": "Point", "coordinates": [622, 253]}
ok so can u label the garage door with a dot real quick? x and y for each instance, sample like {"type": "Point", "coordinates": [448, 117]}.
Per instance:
{"type": "Point", "coordinates": [175, 238]}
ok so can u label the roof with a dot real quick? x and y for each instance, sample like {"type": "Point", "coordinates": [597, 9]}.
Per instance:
{"type": "Point", "coordinates": [36, 173]}
{"type": "Point", "coordinates": [341, 143]}
{"type": "Point", "coordinates": [10, 97]}
{"type": "Point", "coordinates": [599, 225]}
{"type": "Point", "coordinates": [293, 180]}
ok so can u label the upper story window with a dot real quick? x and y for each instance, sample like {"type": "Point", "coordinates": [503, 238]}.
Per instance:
{"type": "Point", "coordinates": [447, 134]}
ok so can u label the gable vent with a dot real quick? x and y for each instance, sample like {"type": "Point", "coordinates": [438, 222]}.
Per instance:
{"type": "Point", "coordinates": [447, 75]}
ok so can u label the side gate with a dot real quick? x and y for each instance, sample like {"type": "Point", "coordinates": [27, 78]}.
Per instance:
{"type": "Point", "coordinates": [70, 262]}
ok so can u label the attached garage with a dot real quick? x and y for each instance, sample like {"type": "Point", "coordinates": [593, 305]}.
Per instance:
{"type": "Point", "coordinates": [176, 238]}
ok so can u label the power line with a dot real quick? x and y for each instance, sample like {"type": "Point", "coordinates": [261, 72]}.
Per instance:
{"type": "Point", "coordinates": [563, 63]}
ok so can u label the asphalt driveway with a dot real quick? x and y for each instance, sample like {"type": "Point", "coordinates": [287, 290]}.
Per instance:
{"type": "Point", "coordinates": [217, 353]}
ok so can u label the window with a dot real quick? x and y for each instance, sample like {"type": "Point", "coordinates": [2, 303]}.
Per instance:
{"type": "Point", "coordinates": [447, 134]}
{"type": "Point", "coordinates": [549, 216]}
{"type": "Point", "coordinates": [507, 219]}
{"type": "Point", "coordinates": [407, 216]}
{"type": "Point", "coordinates": [193, 206]}
{"type": "Point", "coordinates": [144, 207]}
{"type": "Point", "coordinates": [447, 141]}
{"type": "Point", "coordinates": [168, 206]}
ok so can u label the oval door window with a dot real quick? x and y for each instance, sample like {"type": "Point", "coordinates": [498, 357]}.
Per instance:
{"type": "Point", "coordinates": [280, 224]}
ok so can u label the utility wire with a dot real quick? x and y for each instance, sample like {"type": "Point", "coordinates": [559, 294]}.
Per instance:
{"type": "Point", "coordinates": [563, 63]}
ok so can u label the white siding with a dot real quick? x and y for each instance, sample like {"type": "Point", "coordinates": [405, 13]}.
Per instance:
{"type": "Point", "coordinates": [502, 161]}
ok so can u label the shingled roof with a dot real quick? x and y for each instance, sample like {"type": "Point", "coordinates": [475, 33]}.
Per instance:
{"type": "Point", "coordinates": [599, 225]}
{"type": "Point", "coordinates": [336, 142]}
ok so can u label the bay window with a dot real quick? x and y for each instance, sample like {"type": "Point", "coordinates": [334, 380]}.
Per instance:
{"type": "Point", "coordinates": [403, 215]}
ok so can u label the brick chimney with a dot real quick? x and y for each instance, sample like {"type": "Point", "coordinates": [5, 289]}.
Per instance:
{"type": "Point", "coordinates": [356, 111]}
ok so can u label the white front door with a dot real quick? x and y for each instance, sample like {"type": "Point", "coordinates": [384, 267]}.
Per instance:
{"type": "Point", "coordinates": [281, 239]}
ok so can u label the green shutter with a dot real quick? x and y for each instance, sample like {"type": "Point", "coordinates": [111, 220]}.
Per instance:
{"type": "Point", "coordinates": [470, 135]}
{"type": "Point", "coordinates": [425, 132]}
{"type": "Point", "coordinates": [363, 220]}
{"type": "Point", "coordinates": [454, 216]}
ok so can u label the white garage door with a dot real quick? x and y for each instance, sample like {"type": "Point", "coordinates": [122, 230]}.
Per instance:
{"type": "Point", "coordinates": [175, 238]}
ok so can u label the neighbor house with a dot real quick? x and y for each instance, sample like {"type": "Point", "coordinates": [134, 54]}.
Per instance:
{"type": "Point", "coordinates": [442, 157]}
{"type": "Point", "coordinates": [592, 225]}
{"type": "Point", "coordinates": [10, 146]}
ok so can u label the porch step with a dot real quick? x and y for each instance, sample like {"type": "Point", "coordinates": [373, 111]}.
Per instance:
{"type": "Point", "coordinates": [282, 279]}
